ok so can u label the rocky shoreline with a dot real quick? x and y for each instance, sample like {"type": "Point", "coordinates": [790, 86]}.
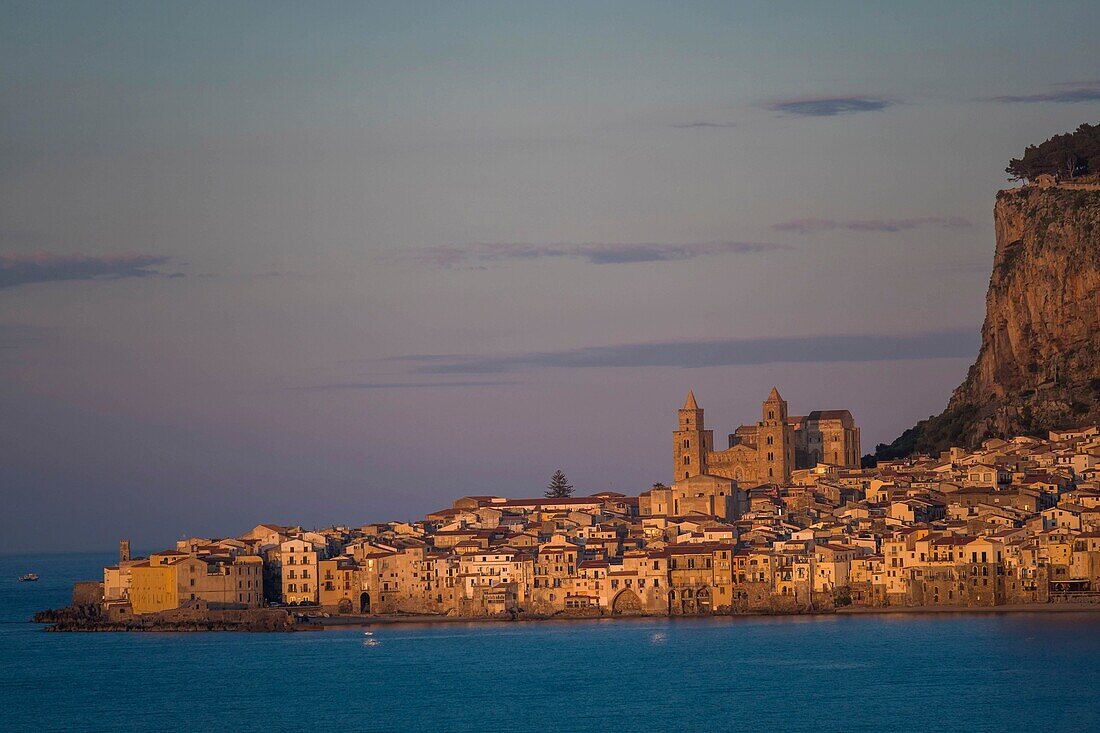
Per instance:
{"type": "Point", "coordinates": [89, 619]}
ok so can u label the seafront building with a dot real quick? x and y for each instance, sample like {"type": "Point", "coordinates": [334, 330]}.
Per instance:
{"type": "Point", "coordinates": [784, 520]}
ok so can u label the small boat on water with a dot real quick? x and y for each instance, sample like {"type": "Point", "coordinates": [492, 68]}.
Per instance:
{"type": "Point", "coordinates": [28, 578]}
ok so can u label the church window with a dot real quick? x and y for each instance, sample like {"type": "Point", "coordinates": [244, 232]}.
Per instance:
{"type": "Point", "coordinates": [770, 440]}
{"type": "Point", "coordinates": [687, 443]}
{"type": "Point", "coordinates": [770, 472]}
{"type": "Point", "coordinates": [687, 460]}
{"type": "Point", "coordinates": [771, 415]}
{"type": "Point", "coordinates": [771, 456]}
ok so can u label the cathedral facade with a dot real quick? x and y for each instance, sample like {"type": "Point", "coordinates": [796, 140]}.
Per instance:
{"type": "Point", "coordinates": [767, 452]}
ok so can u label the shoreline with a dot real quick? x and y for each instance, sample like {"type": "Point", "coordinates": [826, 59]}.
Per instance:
{"type": "Point", "coordinates": [1007, 608]}
{"type": "Point", "coordinates": [335, 623]}
{"type": "Point", "coordinates": [338, 622]}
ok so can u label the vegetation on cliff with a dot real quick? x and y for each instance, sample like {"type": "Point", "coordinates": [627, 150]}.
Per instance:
{"type": "Point", "coordinates": [935, 434]}
{"type": "Point", "coordinates": [1067, 156]}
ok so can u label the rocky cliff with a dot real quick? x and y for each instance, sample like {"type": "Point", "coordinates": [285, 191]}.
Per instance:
{"type": "Point", "coordinates": [1039, 364]}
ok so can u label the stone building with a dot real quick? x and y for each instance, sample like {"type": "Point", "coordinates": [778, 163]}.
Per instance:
{"type": "Point", "coordinates": [701, 494]}
{"type": "Point", "coordinates": [172, 579]}
{"type": "Point", "coordinates": [768, 451]}
{"type": "Point", "coordinates": [826, 436]}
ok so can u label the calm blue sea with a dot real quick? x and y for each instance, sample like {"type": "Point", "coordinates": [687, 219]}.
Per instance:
{"type": "Point", "coordinates": [1017, 672]}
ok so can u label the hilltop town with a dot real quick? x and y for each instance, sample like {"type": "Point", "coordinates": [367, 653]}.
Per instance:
{"type": "Point", "coordinates": [784, 520]}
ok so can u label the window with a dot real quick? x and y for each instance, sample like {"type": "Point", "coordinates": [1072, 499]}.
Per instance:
{"type": "Point", "coordinates": [770, 440]}
{"type": "Point", "coordinates": [687, 460]}
{"type": "Point", "coordinates": [687, 443]}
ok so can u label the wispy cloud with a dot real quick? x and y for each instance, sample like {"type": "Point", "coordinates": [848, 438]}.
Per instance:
{"type": "Point", "coordinates": [1076, 92]}
{"type": "Point", "coordinates": [829, 106]}
{"type": "Point", "coordinates": [703, 125]}
{"type": "Point", "coordinates": [811, 226]}
{"type": "Point", "coordinates": [609, 253]}
{"type": "Point", "coordinates": [712, 353]}
{"type": "Point", "coordinates": [25, 269]}
{"type": "Point", "coordinates": [401, 385]}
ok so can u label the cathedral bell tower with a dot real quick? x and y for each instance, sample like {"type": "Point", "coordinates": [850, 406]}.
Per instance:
{"type": "Point", "coordinates": [775, 445]}
{"type": "Point", "coordinates": [691, 443]}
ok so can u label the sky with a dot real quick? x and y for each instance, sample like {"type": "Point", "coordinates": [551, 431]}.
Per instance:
{"type": "Point", "coordinates": [344, 262]}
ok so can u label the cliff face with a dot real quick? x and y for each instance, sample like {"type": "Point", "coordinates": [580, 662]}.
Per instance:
{"type": "Point", "coordinates": [1039, 364]}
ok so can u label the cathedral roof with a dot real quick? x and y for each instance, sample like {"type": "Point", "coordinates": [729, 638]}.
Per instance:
{"type": "Point", "coordinates": [829, 415]}
{"type": "Point", "coordinates": [689, 403]}
{"type": "Point", "coordinates": [774, 395]}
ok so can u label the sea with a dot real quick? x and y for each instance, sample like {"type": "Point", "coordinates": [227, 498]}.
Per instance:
{"type": "Point", "coordinates": [870, 672]}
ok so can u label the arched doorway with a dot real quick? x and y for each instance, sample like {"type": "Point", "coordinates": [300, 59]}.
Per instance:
{"type": "Point", "coordinates": [344, 606]}
{"type": "Point", "coordinates": [687, 601]}
{"type": "Point", "coordinates": [702, 600]}
{"type": "Point", "coordinates": [364, 603]}
{"type": "Point", "coordinates": [627, 603]}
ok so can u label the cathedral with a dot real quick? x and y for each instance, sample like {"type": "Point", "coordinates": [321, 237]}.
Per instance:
{"type": "Point", "coordinates": [767, 452]}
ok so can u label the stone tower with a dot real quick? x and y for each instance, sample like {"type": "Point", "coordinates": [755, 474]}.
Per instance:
{"type": "Point", "coordinates": [123, 551]}
{"type": "Point", "coordinates": [775, 444]}
{"type": "Point", "coordinates": [691, 443]}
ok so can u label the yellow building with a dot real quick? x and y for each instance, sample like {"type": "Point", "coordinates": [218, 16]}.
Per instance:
{"type": "Point", "coordinates": [171, 579]}
{"type": "Point", "coordinates": [153, 587]}
{"type": "Point", "coordinates": [339, 584]}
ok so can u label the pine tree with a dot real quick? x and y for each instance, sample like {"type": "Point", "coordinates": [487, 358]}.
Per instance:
{"type": "Point", "coordinates": [559, 487]}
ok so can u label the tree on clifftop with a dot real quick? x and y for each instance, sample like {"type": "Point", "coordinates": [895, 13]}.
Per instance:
{"type": "Point", "coordinates": [1068, 155]}
{"type": "Point", "coordinates": [559, 487]}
